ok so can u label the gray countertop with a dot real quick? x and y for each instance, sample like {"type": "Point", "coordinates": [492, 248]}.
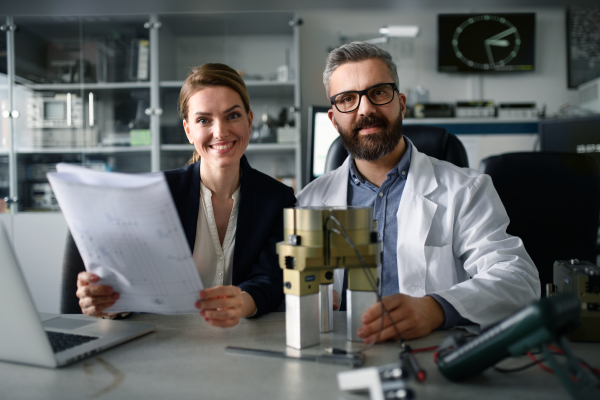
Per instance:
{"type": "Point", "coordinates": [185, 358]}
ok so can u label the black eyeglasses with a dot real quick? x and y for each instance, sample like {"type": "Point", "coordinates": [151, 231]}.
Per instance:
{"type": "Point", "coordinates": [378, 95]}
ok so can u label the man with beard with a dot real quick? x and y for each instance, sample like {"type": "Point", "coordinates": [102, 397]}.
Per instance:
{"type": "Point", "coordinates": [447, 259]}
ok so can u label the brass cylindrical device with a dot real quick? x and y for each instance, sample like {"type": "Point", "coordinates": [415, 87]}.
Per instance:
{"type": "Point", "coordinates": [316, 244]}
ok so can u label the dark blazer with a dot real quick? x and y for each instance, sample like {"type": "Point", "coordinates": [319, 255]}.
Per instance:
{"type": "Point", "coordinates": [259, 227]}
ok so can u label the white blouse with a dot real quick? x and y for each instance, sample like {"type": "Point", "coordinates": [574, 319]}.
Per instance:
{"type": "Point", "coordinates": [213, 261]}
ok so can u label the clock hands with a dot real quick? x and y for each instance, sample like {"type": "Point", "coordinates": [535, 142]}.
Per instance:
{"type": "Point", "coordinates": [496, 41]}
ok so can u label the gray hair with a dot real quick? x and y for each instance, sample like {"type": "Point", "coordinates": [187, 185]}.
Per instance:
{"type": "Point", "coordinates": [354, 52]}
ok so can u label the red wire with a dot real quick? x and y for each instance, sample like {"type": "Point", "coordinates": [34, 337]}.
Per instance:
{"type": "Point", "coordinates": [559, 351]}
{"type": "Point", "coordinates": [414, 351]}
{"type": "Point", "coordinates": [538, 362]}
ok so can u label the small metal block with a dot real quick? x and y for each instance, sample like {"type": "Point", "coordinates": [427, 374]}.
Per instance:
{"type": "Point", "coordinates": [295, 240]}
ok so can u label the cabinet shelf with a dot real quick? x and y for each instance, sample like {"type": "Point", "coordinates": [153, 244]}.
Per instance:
{"type": "Point", "coordinates": [86, 150]}
{"type": "Point", "coordinates": [252, 147]}
{"type": "Point", "coordinates": [256, 88]}
{"type": "Point", "coordinates": [89, 86]}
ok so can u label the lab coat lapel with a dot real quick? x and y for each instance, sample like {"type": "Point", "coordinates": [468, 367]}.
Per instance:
{"type": "Point", "coordinates": [415, 215]}
{"type": "Point", "coordinates": [337, 193]}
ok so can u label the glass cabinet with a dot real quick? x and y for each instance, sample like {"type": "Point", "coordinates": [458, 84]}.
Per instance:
{"type": "Point", "coordinates": [103, 92]}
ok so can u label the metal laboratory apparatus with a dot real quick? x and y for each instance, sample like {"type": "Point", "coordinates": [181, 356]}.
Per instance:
{"type": "Point", "coordinates": [320, 240]}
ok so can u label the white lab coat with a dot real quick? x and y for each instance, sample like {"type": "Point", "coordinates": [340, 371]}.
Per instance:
{"type": "Point", "coordinates": [452, 239]}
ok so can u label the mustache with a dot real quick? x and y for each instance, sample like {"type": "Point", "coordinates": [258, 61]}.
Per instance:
{"type": "Point", "coordinates": [368, 121]}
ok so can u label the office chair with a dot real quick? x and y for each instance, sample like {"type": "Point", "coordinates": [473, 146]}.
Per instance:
{"type": "Point", "coordinates": [553, 202]}
{"type": "Point", "coordinates": [72, 266]}
{"type": "Point", "coordinates": [432, 140]}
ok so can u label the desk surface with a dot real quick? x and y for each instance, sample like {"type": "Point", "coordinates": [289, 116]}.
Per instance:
{"type": "Point", "coordinates": [185, 358]}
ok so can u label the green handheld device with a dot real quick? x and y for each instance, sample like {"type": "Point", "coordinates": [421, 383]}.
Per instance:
{"type": "Point", "coordinates": [536, 325]}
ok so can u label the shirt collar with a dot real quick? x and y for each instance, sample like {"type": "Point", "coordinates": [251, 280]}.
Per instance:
{"type": "Point", "coordinates": [401, 169]}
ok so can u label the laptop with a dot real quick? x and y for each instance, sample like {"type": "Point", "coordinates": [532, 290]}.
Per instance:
{"type": "Point", "coordinates": [49, 340]}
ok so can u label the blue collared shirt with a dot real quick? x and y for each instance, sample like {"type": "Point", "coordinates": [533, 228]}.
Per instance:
{"type": "Point", "coordinates": [385, 201]}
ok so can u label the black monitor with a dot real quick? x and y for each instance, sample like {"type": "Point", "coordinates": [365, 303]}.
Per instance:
{"type": "Point", "coordinates": [321, 135]}
{"type": "Point", "coordinates": [571, 135]}
{"type": "Point", "coordinates": [486, 42]}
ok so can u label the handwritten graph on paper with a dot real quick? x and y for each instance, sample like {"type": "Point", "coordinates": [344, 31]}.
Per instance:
{"type": "Point", "coordinates": [128, 233]}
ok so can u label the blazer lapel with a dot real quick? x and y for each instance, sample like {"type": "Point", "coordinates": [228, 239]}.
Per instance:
{"type": "Point", "coordinates": [415, 216]}
{"type": "Point", "coordinates": [244, 219]}
{"type": "Point", "coordinates": [190, 221]}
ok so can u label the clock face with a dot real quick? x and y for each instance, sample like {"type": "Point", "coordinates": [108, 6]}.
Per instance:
{"type": "Point", "coordinates": [486, 42]}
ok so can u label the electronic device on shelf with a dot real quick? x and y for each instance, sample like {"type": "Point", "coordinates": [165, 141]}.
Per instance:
{"type": "Point", "coordinates": [486, 42]}
{"type": "Point", "coordinates": [42, 197]}
{"type": "Point", "coordinates": [63, 110]}
{"type": "Point", "coordinates": [475, 109]}
{"type": "Point", "coordinates": [517, 110]}
{"type": "Point", "coordinates": [433, 110]}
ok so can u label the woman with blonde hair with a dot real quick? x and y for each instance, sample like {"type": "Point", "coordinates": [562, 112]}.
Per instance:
{"type": "Point", "coordinates": [231, 213]}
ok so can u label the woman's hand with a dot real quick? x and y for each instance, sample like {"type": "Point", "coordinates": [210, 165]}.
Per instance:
{"type": "Point", "coordinates": [93, 300]}
{"type": "Point", "coordinates": [223, 306]}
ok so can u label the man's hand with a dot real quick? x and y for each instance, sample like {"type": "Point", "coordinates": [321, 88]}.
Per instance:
{"type": "Point", "coordinates": [336, 301]}
{"type": "Point", "coordinates": [414, 317]}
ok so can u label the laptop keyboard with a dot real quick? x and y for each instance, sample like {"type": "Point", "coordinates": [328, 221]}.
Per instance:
{"type": "Point", "coordinates": [63, 341]}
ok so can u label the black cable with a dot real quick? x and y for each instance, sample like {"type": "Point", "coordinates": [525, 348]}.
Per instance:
{"type": "Point", "coordinates": [372, 282]}
{"type": "Point", "coordinates": [518, 369]}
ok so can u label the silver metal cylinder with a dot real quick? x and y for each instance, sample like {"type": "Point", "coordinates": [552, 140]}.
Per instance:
{"type": "Point", "coordinates": [326, 307]}
{"type": "Point", "coordinates": [357, 303]}
{"type": "Point", "coordinates": [302, 321]}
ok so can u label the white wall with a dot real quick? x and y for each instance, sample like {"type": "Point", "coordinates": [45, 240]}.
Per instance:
{"type": "Point", "coordinates": [547, 85]}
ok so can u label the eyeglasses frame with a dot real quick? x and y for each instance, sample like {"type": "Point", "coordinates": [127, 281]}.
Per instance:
{"type": "Point", "coordinates": [362, 93]}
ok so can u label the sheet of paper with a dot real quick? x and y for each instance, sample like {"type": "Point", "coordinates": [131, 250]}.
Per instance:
{"type": "Point", "coordinates": [128, 233]}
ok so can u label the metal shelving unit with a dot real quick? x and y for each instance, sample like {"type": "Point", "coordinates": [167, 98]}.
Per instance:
{"type": "Point", "coordinates": [91, 62]}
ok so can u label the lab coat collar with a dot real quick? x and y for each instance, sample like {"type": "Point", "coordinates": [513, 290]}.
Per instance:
{"type": "Point", "coordinates": [420, 165]}
{"type": "Point", "coordinates": [337, 193]}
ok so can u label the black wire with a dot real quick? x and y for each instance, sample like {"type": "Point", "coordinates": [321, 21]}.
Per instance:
{"type": "Point", "coordinates": [518, 369]}
{"type": "Point", "coordinates": [372, 282]}
{"type": "Point", "coordinates": [541, 360]}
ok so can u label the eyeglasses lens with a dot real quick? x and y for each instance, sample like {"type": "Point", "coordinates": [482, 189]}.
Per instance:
{"type": "Point", "coordinates": [378, 95]}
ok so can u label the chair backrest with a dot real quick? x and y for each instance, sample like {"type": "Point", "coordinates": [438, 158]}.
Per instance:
{"type": "Point", "coordinates": [72, 266]}
{"type": "Point", "coordinates": [553, 202]}
{"type": "Point", "coordinates": [432, 140]}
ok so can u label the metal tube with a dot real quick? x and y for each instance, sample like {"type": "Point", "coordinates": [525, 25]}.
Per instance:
{"type": "Point", "coordinates": [358, 302]}
{"type": "Point", "coordinates": [69, 116]}
{"type": "Point", "coordinates": [302, 321]}
{"type": "Point", "coordinates": [326, 307]}
{"type": "Point", "coordinates": [91, 109]}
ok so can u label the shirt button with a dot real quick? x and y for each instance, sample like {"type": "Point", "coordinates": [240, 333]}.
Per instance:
{"type": "Point", "coordinates": [221, 258]}
{"type": "Point", "coordinates": [220, 274]}
{"type": "Point", "coordinates": [403, 173]}
{"type": "Point", "coordinates": [380, 194]}
{"type": "Point", "coordinates": [356, 181]}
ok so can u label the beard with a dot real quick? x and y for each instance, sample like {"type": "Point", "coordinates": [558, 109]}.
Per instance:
{"type": "Point", "coordinates": [373, 146]}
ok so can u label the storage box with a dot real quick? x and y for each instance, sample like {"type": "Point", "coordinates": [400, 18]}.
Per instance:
{"type": "Point", "coordinates": [287, 135]}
